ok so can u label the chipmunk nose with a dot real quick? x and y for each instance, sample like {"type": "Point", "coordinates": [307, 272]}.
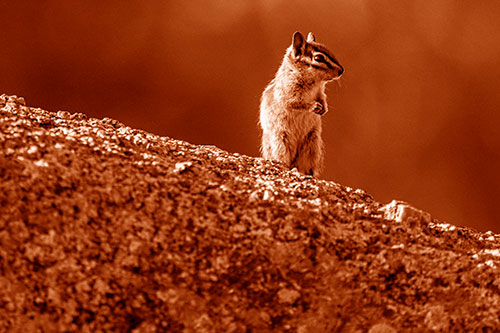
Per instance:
{"type": "Point", "coordinates": [340, 71]}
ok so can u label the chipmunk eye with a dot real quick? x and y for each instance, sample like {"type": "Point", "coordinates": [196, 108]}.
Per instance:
{"type": "Point", "coordinates": [319, 58]}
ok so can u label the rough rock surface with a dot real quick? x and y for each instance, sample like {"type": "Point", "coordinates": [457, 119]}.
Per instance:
{"type": "Point", "coordinates": [108, 228]}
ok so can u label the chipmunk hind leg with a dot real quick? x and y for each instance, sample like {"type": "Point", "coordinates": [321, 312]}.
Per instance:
{"type": "Point", "coordinates": [276, 147]}
{"type": "Point", "coordinates": [310, 154]}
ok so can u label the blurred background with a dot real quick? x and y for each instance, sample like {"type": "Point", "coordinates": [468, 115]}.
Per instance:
{"type": "Point", "coordinates": [415, 116]}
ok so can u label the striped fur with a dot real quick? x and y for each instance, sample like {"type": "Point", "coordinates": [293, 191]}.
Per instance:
{"type": "Point", "coordinates": [293, 102]}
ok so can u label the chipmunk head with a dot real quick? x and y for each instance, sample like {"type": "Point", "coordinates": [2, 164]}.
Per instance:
{"type": "Point", "coordinates": [313, 60]}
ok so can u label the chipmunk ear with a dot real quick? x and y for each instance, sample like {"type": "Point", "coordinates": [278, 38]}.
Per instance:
{"type": "Point", "coordinates": [298, 44]}
{"type": "Point", "coordinates": [310, 37]}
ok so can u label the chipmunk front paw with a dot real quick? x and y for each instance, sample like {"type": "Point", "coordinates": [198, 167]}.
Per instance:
{"type": "Point", "coordinates": [318, 108]}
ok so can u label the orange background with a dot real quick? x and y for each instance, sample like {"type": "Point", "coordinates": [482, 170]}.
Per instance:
{"type": "Point", "coordinates": [415, 116]}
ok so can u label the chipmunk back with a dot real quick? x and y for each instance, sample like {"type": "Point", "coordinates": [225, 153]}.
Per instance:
{"type": "Point", "coordinates": [293, 103]}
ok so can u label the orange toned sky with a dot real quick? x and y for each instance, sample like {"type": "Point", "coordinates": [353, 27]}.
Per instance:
{"type": "Point", "coordinates": [415, 116]}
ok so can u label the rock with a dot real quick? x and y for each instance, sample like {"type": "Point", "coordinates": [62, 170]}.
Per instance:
{"type": "Point", "coordinates": [400, 211]}
{"type": "Point", "coordinates": [382, 328]}
{"type": "Point", "coordinates": [288, 295]}
{"type": "Point", "coordinates": [107, 228]}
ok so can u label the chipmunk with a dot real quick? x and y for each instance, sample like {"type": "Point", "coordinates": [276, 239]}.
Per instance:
{"type": "Point", "coordinates": [293, 103]}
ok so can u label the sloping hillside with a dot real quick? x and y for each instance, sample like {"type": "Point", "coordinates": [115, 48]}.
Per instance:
{"type": "Point", "coordinates": [108, 228]}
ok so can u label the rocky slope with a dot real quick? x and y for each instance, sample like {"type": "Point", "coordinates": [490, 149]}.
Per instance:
{"type": "Point", "coordinates": [108, 228]}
